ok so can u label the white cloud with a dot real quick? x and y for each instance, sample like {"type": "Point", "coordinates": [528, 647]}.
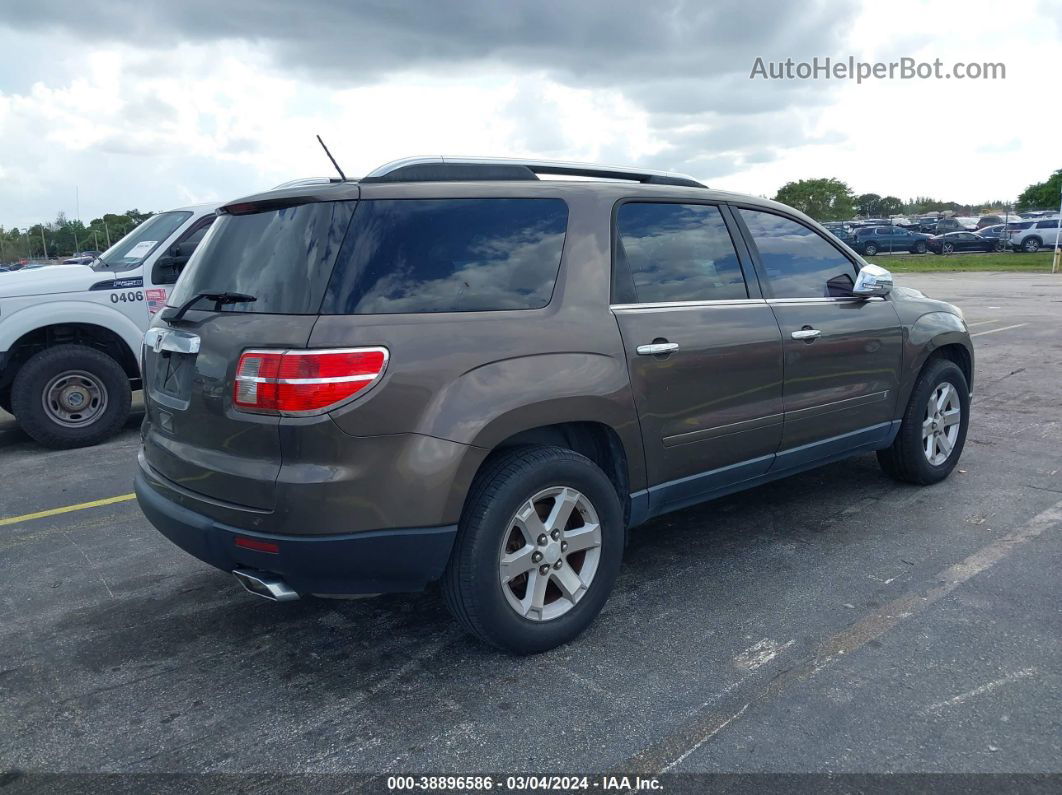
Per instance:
{"type": "Point", "coordinates": [161, 122]}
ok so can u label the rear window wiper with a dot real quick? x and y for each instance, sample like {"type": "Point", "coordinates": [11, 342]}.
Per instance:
{"type": "Point", "coordinates": [219, 299]}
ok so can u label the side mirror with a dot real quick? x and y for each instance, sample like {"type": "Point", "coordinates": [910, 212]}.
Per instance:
{"type": "Point", "coordinates": [872, 280]}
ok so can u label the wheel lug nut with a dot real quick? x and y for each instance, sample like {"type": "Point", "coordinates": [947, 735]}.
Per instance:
{"type": "Point", "coordinates": [542, 540]}
{"type": "Point", "coordinates": [543, 569]}
{"type": "Point", "coordinates": [536, 557]}
{"type": "Point", "coordinates": [558, 564]}
{"type": "Point", "coordinates": [564, 546]}
{"type": "Point", "coordinates": [554, 534]}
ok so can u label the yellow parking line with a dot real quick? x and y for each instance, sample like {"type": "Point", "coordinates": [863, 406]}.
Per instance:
{"type": "Point", "coordinates": [56, 511]}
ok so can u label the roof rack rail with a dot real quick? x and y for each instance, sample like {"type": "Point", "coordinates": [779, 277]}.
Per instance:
{"type": "Point", "coordinates": [459, 169]}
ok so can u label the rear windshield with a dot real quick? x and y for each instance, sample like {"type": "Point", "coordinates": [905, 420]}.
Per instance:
{"type": "Point", "coordinates": [448, 255]}
{"type": "Point", "coordinates": [283, 257]}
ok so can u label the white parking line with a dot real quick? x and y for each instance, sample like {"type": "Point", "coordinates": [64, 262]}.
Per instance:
{"type": "Point", "coordinates": [994, 330]}
{"type": "Point", "coordinates": [982, 322]}
{"type": "Point", "coordinates": [977, 691]}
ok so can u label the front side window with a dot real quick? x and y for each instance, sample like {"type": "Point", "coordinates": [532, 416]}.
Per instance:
{"type": "Point", "coordinates": [675, 252]}
{"type": "Point", "coordinates": [448, 255]}
{"type": "Point", "coordinates": [799, 262]}
{"type": "Point", "coordinates": [1047, 225]}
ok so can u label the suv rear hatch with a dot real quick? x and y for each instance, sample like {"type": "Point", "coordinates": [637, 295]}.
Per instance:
{"type": "Point", "coordinates": [279, 254]}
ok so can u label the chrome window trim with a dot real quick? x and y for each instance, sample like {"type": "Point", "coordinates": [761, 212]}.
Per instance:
{"type": "Point", "coordinates": [688, 304]}
{"type": "Point", "coordinates": [836, 299]}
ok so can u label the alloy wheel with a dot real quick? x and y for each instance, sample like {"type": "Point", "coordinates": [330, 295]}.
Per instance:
{"type": "Point", "coordinates": [940, 425]}
{"type": "Point", "coordinates": [550, 553]}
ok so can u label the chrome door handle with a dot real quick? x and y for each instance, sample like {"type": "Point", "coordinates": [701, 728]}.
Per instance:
{"type": "Point", "coordinates": [806, 334]}
{"type": "Point", "coordinates": [657, 348]}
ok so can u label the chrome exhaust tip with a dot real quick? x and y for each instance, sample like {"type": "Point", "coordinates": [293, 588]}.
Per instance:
{"type": "Point", "coordinates": [268, 586]}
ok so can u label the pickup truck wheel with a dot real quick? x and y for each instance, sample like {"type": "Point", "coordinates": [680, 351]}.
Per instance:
{"type": "Point", "coordinates": [538, 549]}
{"type": "Point", "coordinates": [71, 396]}
{"type": "Point", "coordinates": [933, 432]}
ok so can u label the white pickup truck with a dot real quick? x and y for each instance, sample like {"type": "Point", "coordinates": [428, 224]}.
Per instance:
{"type": "Point", "coordinates": [70, 335]}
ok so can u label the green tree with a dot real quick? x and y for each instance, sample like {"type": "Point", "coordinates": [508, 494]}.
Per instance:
{"type": "Point", "coordinates": [1042, 195]}
{"type": "Point", "coordinates": [890, 205]}
{"type": "Point", "coordinates": [868, 204]}
{"type": "Point", "coordinates": [824, 199]}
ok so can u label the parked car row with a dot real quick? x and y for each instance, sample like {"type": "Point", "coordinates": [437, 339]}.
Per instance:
{"type": "Point", "coordinates": [1025, 235]}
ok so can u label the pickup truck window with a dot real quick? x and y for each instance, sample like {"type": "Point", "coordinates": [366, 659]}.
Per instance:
{"type": "Point", "coordinates": [139, 244]}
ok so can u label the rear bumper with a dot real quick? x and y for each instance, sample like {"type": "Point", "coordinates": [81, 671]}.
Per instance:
{"type": "Point", "coordinates": [375, 561]}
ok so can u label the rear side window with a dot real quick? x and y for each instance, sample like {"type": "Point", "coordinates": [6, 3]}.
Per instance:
{"type": "Point", "coordinates": [674, 252]}
{"type": "Point", "coordinates": [283, 257]}
{"type": "Point", "coordinates": [448, 255]}
{"type": "Point", "coordinates": [799, 262]}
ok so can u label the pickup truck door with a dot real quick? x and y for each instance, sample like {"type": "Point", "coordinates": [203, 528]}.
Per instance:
{"type": "Point", "coordinates": [703, 348]}
{"type": "Point", "coordinates": [842, 353]}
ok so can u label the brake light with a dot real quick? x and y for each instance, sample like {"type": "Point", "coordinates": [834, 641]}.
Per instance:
{"type": "Point", "coordinates": [304, 381]}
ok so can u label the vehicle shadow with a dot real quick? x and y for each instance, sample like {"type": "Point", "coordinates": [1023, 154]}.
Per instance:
{"type": "Point", "coordinates": [199, 619]}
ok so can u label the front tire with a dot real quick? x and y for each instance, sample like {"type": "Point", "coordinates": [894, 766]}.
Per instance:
{"type": "Point", "coordinates": [538, 549]}
{"type": "Point", "coordinates": [920, 248]}
{"type": "Point", "coordinates": [933, 430]}
{"type": "Point", "coordinates": [870, 249]}
{"type": "Point", "coordinates": [949, 248]}
{"type": "Point", "coordinates": [71, 396]}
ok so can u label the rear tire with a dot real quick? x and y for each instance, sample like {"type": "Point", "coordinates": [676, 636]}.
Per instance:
{"type": "Point", "coordinates": [491, 531]}
{"type": "Point", "coordinates": [907, 459]}
{"type": "Point", "coordinates": [71, 396]}
{"type": "Point", "coordinates": [1031, 245]}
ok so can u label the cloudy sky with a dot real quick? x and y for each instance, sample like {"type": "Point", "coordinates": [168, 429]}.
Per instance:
{"type": "Point", "coordinates": [138, 103]}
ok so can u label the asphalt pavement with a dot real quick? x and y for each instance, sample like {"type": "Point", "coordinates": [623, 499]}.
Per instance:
{"type": "Point", "coordinates": [833, 622]}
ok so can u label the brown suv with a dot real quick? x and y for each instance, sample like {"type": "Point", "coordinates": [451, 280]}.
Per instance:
{"type": "Point", "coordinates": [458, 371]}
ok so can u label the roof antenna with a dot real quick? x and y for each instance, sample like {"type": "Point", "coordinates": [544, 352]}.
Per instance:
{"type": "Point", "coordinates": [334, 163]}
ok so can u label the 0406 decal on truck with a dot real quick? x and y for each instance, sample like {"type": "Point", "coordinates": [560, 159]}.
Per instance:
{"type": "Point", "coordinates": [70, 335]}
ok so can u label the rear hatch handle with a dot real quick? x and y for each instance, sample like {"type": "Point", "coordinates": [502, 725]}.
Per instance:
{"type": "Point", "coordinates": [172, 340]}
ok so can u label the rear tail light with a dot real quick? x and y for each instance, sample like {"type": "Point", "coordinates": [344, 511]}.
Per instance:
{"type": "Point", "coordinates": [304, 381]}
